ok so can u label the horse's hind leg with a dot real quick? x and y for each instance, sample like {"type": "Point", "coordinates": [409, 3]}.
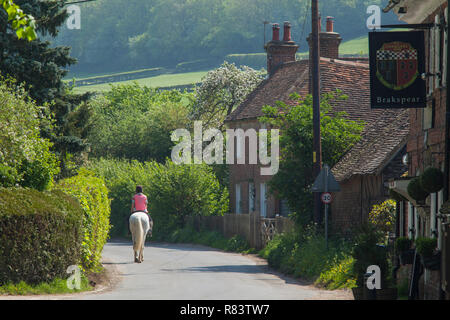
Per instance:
{"type": "Point", "coordinates": [136, 257]}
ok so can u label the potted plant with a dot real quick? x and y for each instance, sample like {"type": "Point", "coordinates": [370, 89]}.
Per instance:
{"type": "Point", "coordinates": [432, 180]}
{"type": "Point", "coordinates": [404, 251]}
{"type": "Point", "coordinates": [416, 191]}
{"type": "Point", "coordinates": [431, 258]}
{"type": "Point", "coordinates": [367, 252]}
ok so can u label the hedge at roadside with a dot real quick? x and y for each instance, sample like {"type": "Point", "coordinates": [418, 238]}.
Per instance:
{"type": "Point", "coordinates": [40, 235]}
{"type": "Point", "coordinates": [92, 195]}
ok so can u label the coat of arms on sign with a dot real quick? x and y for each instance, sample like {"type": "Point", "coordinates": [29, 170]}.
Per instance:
{"type": "Point", "coordinates": [397, 65]}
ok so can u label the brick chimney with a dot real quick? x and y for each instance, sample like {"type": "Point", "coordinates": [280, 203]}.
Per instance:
{"type": "Point", "coordinates": [329, 41]}
{"type": "Point", "coordinates": [279, 52]}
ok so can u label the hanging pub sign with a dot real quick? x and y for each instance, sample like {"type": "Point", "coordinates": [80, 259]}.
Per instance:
{"type": "Point", "coordinates": [397, 61]}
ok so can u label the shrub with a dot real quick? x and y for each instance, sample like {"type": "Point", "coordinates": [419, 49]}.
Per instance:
{"type": "Point", "coordinates": [432, 180]}
{"type": "Point", "coordinates": [382, 216]}
{"type": "Point", "coordinates": [40, 235]}
{"type": "Point", "coordinates": [339, 275]}
{"type": "Point", "coordinates": [22, 148]}
{"type": "Point", "coordinates": [173, 192]}
{"type": "Point", "coordinates": [402, 244]}
{"type": "Point", "coordinates": [92, 194]}
{"type": "Point", "coordinates": [416, 191]}
{"type": "Point", "coordinates": [304, 253]}
{"type": "Point", "coordinates": [426, 246]}
{"type": "Point", "coordinates": [367, 252]}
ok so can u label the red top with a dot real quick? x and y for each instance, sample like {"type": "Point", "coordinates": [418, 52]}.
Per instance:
{"type": "Point", "coordinates": [140, 202]}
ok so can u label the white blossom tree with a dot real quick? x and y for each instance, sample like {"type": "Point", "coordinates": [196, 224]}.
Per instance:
{"type": "Point", "coordinates": [221, 91]}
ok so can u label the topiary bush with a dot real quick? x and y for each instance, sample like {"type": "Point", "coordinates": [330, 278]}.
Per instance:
{"type": "Point", "coordinates": [432, 180]}
{"type": "Point", "coordinates": [416, 191]}
{"type": "Point", "coordinates": [40, 235]}
{"type": "Point", "coordinates": [402, 244]}
{"type": "Point", "coordinates": [92, 195]}
{"type": "Point", "coordinates": [426, 246]}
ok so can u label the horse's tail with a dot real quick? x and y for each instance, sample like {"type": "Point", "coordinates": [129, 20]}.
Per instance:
{"type": "Point", "coordinates": [137, 231]}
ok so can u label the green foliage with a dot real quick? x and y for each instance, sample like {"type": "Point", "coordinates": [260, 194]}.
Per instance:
{"type": "Point", "coordinates": [304, 253]}
{"type": "Point", "coordinates": [368, 251]}
{"type": "Point", "coordinates": [382, 216]}
{"type": "Point", "coordinates": [92, 195]}
{"type": "Point", "coordinates": [432, 180]}
{"type": "Point", "coordinates": [339, 275]}
{"type": "Point", "coordinates": [416, 191]}
{"type": "Point", "coordinates": [136, 122]}
{"type": "Point", "coordinates": [173, 192]}
{"type": "Point", "coordinates": [23, 24]}
{"type": "Point", "coordinates": [295, 175]}
{"type": "Point", "coordinates": [426, 246]}
{"type": "Point", "coordinates": [167, 32]}
{"type": "Point", "coordinates": [40, 235]}
{"type": "Point", "coordinates": [222, 90]}
{"type": "Point", "coordinates": [56, 286]}
{"type": "Point", "coordinates": [214, 239]}
{"type": "Point", "coordinates": [25, 157]}
{"type": "Point", "coordinates": [402, 244]}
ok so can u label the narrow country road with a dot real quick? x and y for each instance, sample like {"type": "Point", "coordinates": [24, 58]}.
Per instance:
{"type": "Point", "coordinates": [182, 271]}
{"type": "Point", "coordinates": [192, 272]}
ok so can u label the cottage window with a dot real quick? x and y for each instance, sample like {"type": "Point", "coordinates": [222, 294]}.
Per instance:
{"type": "Point", "coordinates": [251, 197]}
{"type": "Point", "coordinates": [444, 60]}
{"type": "Point", "coordinates": [263, 200]}
{"type": "Point", "coordinates": [238, 198]}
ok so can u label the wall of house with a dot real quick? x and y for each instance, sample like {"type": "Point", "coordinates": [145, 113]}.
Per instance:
{"type": "Point", "coordinates": [246, 174]}
{"type": "Point", "coordinates": [351, 206]}
{"type": "Point", "coordinates": [426, 142]}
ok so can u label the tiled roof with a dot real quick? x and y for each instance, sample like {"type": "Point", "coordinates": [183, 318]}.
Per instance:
{"type": "Point", "coordinates": [352, 78]}
{"type": "Point", "coordinates": [380, 143]}
{"type": "Point", "coordinates": [385, 131]}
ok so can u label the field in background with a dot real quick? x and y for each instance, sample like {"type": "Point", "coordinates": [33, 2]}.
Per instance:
{"type": "Point", "coordinates": [160, 81]}
{"type": "Point", "coordinates": [355, 47]}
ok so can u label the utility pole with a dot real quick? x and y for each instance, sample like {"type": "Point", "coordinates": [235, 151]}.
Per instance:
{"type": "Point", "coordinates": [317, 147]}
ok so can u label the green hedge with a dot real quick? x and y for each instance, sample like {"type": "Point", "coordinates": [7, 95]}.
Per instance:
{"type": "Point", "coordinates": [92, 194]}
{"type": "Point", "coordinates": [173, 192]}
{"type": "Point", "coordinates": [40, 235]}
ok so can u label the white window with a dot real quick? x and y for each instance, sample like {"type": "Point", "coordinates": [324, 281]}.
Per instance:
{"type": "Point", "coordinates": [263, 200]}
{"type": "Point", "coordinates": [410, 220]}
{"type": "Point", "coordinates": [238, 198]}
{"type": "Point", "coordinates": [437, 50]}
{"type": "Point", "coordinates": [444, 62]}
{"type": "Point", "coordinates": [251, 197]}
{"type": "Point", "coordinates": [433, 213]}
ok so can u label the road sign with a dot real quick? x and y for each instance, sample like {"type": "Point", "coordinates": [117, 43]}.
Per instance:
{"type": "Point", "coordinates": [325, 181]}
{"type": "Point", "coordinates": [326, 197]}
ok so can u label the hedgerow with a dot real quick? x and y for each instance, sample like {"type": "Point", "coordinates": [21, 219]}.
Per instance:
{"type": "Point", "coordinates": [173, 192]}
{"type": "Point", "coordinates": [40, 235]}
{"type": "Point", "coordinates": [92, 195]}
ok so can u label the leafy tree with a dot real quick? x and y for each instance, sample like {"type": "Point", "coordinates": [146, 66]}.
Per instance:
{"type": "Point", "coordinates": [136, 122]}
{"type": "Point", "coordinates": [160, 33]}
{"type": "Point", "coordinates": [23, 24]}
{"type": "Point", "coordinates": [222, 90]}
{"type": "Point", "coordinates": [41, 67]}
{"type": "Point", "coordinates": [25, 157]}
{"type": "Point", "coordinates": [294, 178]}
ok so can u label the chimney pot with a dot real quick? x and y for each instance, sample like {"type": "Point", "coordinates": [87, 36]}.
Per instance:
{"type": "Point", "coordinates": [330, 26]}
{"type": "Point", "coordinates": [287, 32]}
{"type": "Point", "coordinates": [275, 32]}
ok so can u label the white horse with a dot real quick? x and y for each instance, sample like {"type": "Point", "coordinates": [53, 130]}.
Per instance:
{"type": "Point", "coordinates": [140, 224]}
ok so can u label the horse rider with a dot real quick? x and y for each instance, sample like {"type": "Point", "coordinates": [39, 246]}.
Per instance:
{"type": "Point", "coordinates": [138, 203]}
